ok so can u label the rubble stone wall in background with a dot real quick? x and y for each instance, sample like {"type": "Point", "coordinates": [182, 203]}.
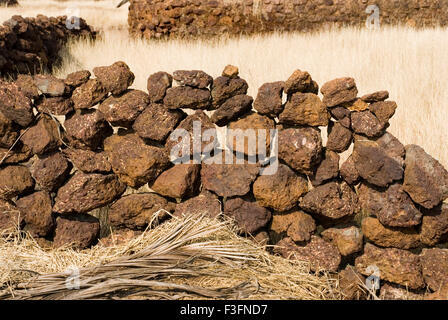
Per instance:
{"type": "Point", "coordinates": [381, 211]}
{"type": "Point", "coordinates": [33, 45]}
{"type": "Point", "coordinates": [205, 18]}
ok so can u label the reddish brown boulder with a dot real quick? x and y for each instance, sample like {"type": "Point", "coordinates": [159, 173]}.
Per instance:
{"type": "Point", "coordinates": [134, 162]}
{"type": "Point", "coordinates": [158, 83]}
{"type": "Point", "coordinates": [295, 224]}
{"type": "Point", "coordinates": [339, 137]}
{"type": "Point", "coordinates": [321, 255]}
{"type": "Point", "coordinates": [339, 91]}
{"type": "Point", "coordinates": [37, 212]}
{"type": "Point", "coordinates": [269, 99]}
{"type": "Point", "coordinates": [179, 182]}
{"type": "Point", "coordinates": [434, 227]}
{"type": "Point", "coordinates": [115, 78]}
{"type": "Point", "coordinates": [395, 265]}
{"type": "Point", "coordinates": [230, 71]}
{"type": "Point", "coordinates": [206, 203]}
{"type": "Point", "coordinates": [121, 110]}
{"type": "Point", "coordinates": [434, 263]}
{"type": "Point", "coordinates": [89, 161]}
{"type": "Point", "coordinates": [26, 84]}
{"type": "Point", "coordinates": [43, 137]}
{"type": "Point", "coordinates": [194, 78]}
{"type": "Point", "coordinates": [87, 130]}
{"type": "Point", "coordinates": [425, 179]}
{"type": "Point", "coordinates": [50, 85]}
{"type": "Point", "coordinates": [299, 81]}
{"type": "Point", "coordinates": [88, 94]}
{"type": "Point", "coordinates": [137, 211]}
{"type": "Point", "coordinates": [351, 284]}
{"type": "Point", "coordinates": [358, 105]}
{"type": "Point", "coordinates": [348, 240]}
{"type": "Point", "coordinates": [348, 171]}
{"type": "Point", "coordinates": [232, 109]}
{"type": "Point", "coordinates": [15, 105]}
{"type": "Point", "coordinates": [341, 114]}
{"type": "Point", "coordinates": [332, 201]}
{"type": "Point", "coordinates": [224, 88]}
{"type": "Point", "coordinates": [280, 191]}
{"type": "Point", "coordinates": [391, 291]}
{"type": "Point", "coordinates": [14, 181]}
{"type": "Point", "coordinates": [375, 97]}
{"type": "Point", "coordinates": [401, 238]}
{"type": "Point", "coordinates": [366, 123]}
{"type": "Point", "coordinates": [248, 215]}
{"type": "Point", "coordinates": [393, 207]}
{"type": "Point", "coordinates": [85, 192]}
{"type": "Point", "coordinates": [383, 110]}
{"type": "Point", "coordinates": [328, 169]}
{"type": "Point", "coordinates": [10, 217]}
{"type": "Point", "coordinates": [78, 231]}
{"type": "Point", "coordinates": [9, 132]}
{"type": "Point", "coordinates": [51, 171]}
{"type": "Point", "coordinates": [188, 98]}
{"type": "Point", "coordinates": [19, 153]}
{"type": "Point", "coordinates": [75, 79]}
{"type": "Point", "coordinates": [300, 148]}
{"type": "Point", "coordinates": [305, 109]}
{"type": "Point", "coordinates": [166, 121]}
{"type": "Point", "coordinates": [58, 106]}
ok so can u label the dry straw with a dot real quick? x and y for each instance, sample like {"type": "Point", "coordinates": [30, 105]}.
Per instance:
{"type": "Point", "coordinates": [184, 258]}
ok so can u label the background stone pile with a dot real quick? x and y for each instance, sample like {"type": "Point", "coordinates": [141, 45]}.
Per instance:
{"type": "Point", "coordinates": [381, 208]}
{"type": "Point", "coordinates": [190, 18]}
{"type": "Point", "coordinates": [9, 3]}
{"type": "Point", "coordinates": [32, 45]}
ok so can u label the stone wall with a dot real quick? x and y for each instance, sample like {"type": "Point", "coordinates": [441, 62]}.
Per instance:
{"type": "Point", "coordinates": [205, 18]}
{"type": "Point", "coordinates": [32, 45]}
{"type": "Point", "coordinates": [381, 211]}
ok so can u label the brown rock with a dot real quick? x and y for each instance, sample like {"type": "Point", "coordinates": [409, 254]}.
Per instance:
{"type": "Point", "coordinates": [44, 137]}
{"type": "Point", "coordinates": [89, 161]}
{"type": "Point", "coordinates": [390, 291]}
{"type": "Point", "coordinates": [249, 216]}
{"type": "Point", "coordinates": [14, 181]}
{"type": "Point", "coordinates": [158, 83]}
{"type": "Point", "coordinates": [181, 181]}
{"type": "Point", "coordinates": [321, 255]}
{"type": "Point", "coordinates": [137, 211]}
{"type": "Point", "coordinates": [395, 265]}
{"type": "Point", "coordinates": [366, 123]}
{"type": "Point", "coordinates": [78, 231]}
{"type": "Point", "coordinates": [348, 171]}
{"type": "Point", "coordinates": [87, 130]}
{"type": "Point", "coordinates": [401, 238]}
{"type": "Point", "coordinates": [119, 237]}
{"type": "Point", "coordinates": [434, 225]}
{"type": "Point", "coordinates": [230, 71]}
{"type": "Point", "coordinates": [206, 203]}
{"type": "Point", "coordinates": [26, 84]}
{"type": "Point", "coordinates": [434, 263]}
{"type": "Point", "coordinates": [85, 192]}
{"type": "Point", "coordinates": [50, 85]}
{"type": "Point", "coordinates": [341, 114]}
{"type": "Point", "coordinates": [121, 110]}
{"type": "Point", "coordinates": [280, 191]}
{"type": "Point", "coordinates": [9, 132]}
{"type": "Point", "coordinates": [425, 179]}
{"type": "Point", "coordinates": [188, 98]}
{"type": "Point", "coordinates": [339, 91]}
{"type": "Point", "coordinates": [88, 94]}
{"type": "Point", "coordinates": [351, 284]}
{"type": "Point", "coordinates": [339, 137]}
{"type": "Point", "coordinates": [15, 105]}
{"type": "Point", "coordinates": [383, 110]}
{"type": "Point", "coordinates": [166, 121]}
{"type": "Point", "coordinates": [393, 207]}
{"type": "Point", "coordinates": [58, 106]}
{"type": "Point", "coordinates": [375, 97]}
{"type": "Point", "coordinates": [133, 161]}
{"type": "Point", "coordinates": [11, 218]}
{"type": "Point", "coordinates": [232, 109]}
{"type": "Point", "coordinates": [51, 171]}
{"type": "Point", "coordinates": [331, 201]}
{"type": "Point", "coordinates": [37, 212]}
{"type": "Point", "coordinates": [358, 105]}
{"type": "Point", "coordinates": [115, 78]}
{"type": "Point", "coordinates": [194, 78]}
{"type": "Point", "coordinates": [269, 99]}
{"type": "Point", "coordinates": [295, 224]}
{"type": "Point", "coordinates": [19, 153]}
{"type": "Point", "coordinates": [224, 88]}
{"type": "Point", "coordinates": [299, 81]}
{"type": "Point", "coordinates": [347, 240]}
{"type": "Point", "coordinates": [305, 109]}
{"type": "Point", "coordinates": [75, 79]}
{"type": "Point", "coordinates": [328, 169]}
{"type": "Point", "coordinates": [300, 148]}
{"type": "Point", "coordinates": [261, 238]}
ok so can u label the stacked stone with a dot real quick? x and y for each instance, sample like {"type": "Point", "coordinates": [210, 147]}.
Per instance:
{"type": "Point", "coordinates": [382, 209]}
{"type": "Point", "coordinates": [205, 18]}
{"type": "Point", "coordinates": [32, 45]}
{"type": "Point", "coordinates": [9, 3]}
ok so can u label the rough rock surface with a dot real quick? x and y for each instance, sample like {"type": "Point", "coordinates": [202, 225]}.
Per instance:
{"type": "Point", "coordinates": [232, 109]}
{"type": "Point", "coordinates": [77, 231]}
{"type": "Point", "coordinates": [89, 161]}
{"type": "Point", "coordinates": [295, 224]}
{"type": "Point", "coordinates": [10, 217]}
{"type": "Point", "coordinates": [249, 216]}
{"type": "Point", "coordinates": [157, 85]}
{"type": "Point", "coordinates": [51, 171]}
{"type": "Point", "coordinates": [194, 78]}
{"type": "Point", "coordinates": [339, 91]}
{"type": "Point", "coordinates": [44, 137]}
{"type": "Point", "coordinates": [77, 78]}
{"type": "Point", "coordinates": [88, 94]}
{"type": "Point", "coordinates": [366, 123]}
{"type": "Point", "coordinates": [299, 81]}
{"type": "Point", "coordinates": [178, 182]}
{"type": "Point", "coordinates": [326, 170]}
{"type": "Point", "coordinates": [434, 227]}
{"type": "Point", "coordinates": [383, 110]}
{"type": "Point", "coordinates": [58, 106]}
{"type": "Point", "coordinates": [305, 109]}
{"type": "Point", "coordinates": [224, 88]}
{"type": "Point", "coordinates": [434, 263]}
{"type": "Point", "coordinates": [50, 85]}
{"type": "Point", "coordinates": [206, 203]}
{"type": "Point", "coordinates": [9, 132]}
{"type": "Point", "coordinates": [187, 98]}
{"type": "Point", "coordinates": [339, 137]}
{"type": "Point", "coordinates": [375, 96]}
{"type": "Point", "coordinates": [37, 212]}
{"type": "Point", "coordinates": [269, 99]}
{"type": "Point", "coordinates": [14, 181]}
{"type": "Point", "coordinates": [348, 171]}
{"type": "Point", "coordinates": [348, 240]}
{"type": "Point", "coordinates": [15, 105]}
{"type": "Point", "coordinates": [115, 78]}
{"type": "Point", "coordinates": [351, 284]}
